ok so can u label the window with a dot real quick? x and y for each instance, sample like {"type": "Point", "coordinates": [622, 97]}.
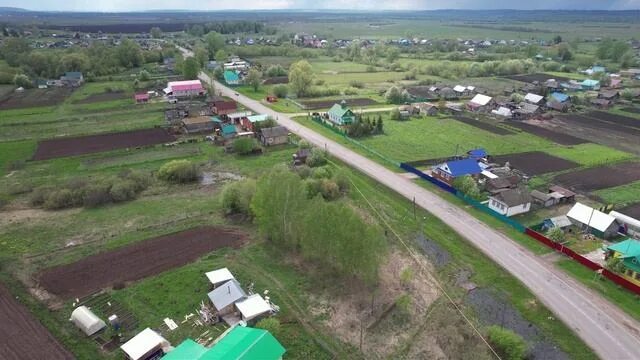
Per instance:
{"type": "Point", "coordinates": [628, 272]}
{"type": "Point", "coordinates": [636, 275]}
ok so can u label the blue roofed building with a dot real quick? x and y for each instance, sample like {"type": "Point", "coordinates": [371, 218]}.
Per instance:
{"type": "Point", "coordinates": [590, 84]}
{"type": "Point", "coordinates": [450, 170]}
{"type": "Point", "coordinates": [560, 97]}
{"type": "Point", "coordinates": [477, 154]}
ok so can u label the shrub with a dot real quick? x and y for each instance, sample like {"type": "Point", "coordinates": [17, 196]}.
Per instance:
{"type": "Point", "coordinates": [15, 165]}
{"type": "Point", "coordinates": [143, 75]}
{"type": "Point", "coordinates": [312, 187]}
{"type": "Point", "coordinates": [237, 196]}
{"type": "Point", "coordinates": [19, 188]}
{"type": "Point", "coordinates": [342, 180]}
{"type": "Point", "coordinates": [178, 171]}
{"type": "Point", "coordinates": [508, 344]}
{"type": "Point", "coordinates": [403, 304]}
{"type": "Point", "coordinates": [22, 81]}
{"type": "Point", "coordinates": [371, 69]}
{"type": "Point", "coordinates": [59, 199]}
{"type": "Point", "coordinates": [316, 158]}
{"type": "Point", "coordinates": [329, 190]}
{"type": "Point", "coordinates": [280, 91]}
{"type": "Point", "coordinates": [350, 91]}
{"type": "Point", "coordinates": [356, 84]}
{"type": "Point", "coordinates": [321, 173]}
{"type": "Point", "coordinates": [39, 195]}
{"type": "Point", "coordinates": [319, 82]}
{"type": "Point", "coordinates": [556, 234]}
{"type": "Point", "coordinates": [303, 171]}
{"type": "Point", "coordinates": [276, 70]}
{"type": "Point", "coordinates": [123, 190]}
{"type": "Point", "coordinates": [244, 146]}
{"type": "Point", "coordinates": [395, 114]}
{"type": "Point", "coordinates": [97, 194]}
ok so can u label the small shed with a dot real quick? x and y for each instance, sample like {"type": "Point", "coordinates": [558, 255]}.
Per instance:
{"type": "Point", "coordinates": [253, 307]}
{"type": "Point", "coordinates": [141, 98]}
{"type": "Point", "coordinates": [200, 124]}
{"type": "Point", "coordinates": [226, 295]}
{"type": "Point", "coordinates": [229, 131]}
{"type": "Point", "coordinates": [219, 276]}
{"type": "Point", "coordinates": [276, 135]}
{"type": "Point", "coordinates": [561, 222]}
{"type": "Point", "coordinates": [561, 194]}
{"type": "Point", "coordinates": [427, 109]}
{"type": "Point", "coordinates": [86, 320]}
{"type": "Point", "coordinates": [542, 199]}
{"type": "Point", "coordinates": [148, 344]}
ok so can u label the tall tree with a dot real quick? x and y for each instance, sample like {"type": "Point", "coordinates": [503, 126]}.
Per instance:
{"type": "Point", "coordinates": [254, 79]}
{"type": "Point", "coordinates": [300, 77]}
{"type": "Point", "coordinates": [190, 68]}
{"type": "Point", "coordinates": [202, 55]}
{"type": "Point", "coordinates": [214, 42]}
{"type": "Point", "coordinates": [129, 54]}
{"type": "Point", "coordinates": [156, 33]}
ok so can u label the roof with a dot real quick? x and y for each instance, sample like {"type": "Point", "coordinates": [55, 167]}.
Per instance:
{"type": "Point", "coordinates": [561, 190]}
{"type": "Point", "coordinates": [229, 129]}
{"type": "Point", "coordinates": [559, 106]}
{"type": "Point", "coordinates": [231, 76]}
{"type": "Point", "coordinates": [188, 349]}
{"type": "Point", "coordinates": [73, 75]}
{"type": "Point", "coordinates": [481, 99]}
{"type": "Point", "coordinates": [526, 108]}
{"type": "Point", "coordinates": [239, 114]}
{"type": "Point", "coordinates": [561, 221]}
{"type": "Point", "coordinates": [253, 306]}
{"type": "Point", "coordinates": [338, 110]}
{"type": "Point", "coordinates": [225, 105]}
{"type": "Point", "coordinates": [86, 320]}
{"type": "Point", "coordinates": [258, 118]}
{"type": "Point", "coordinates": [275, 131]}
{"type": "Point", "coordinates": [608, 94]}
{"type": "Point", "coordinates": [500, 183]}
{"type": "Point", "coordinates": [142, 343]}
{"type": "Point", "coordinates": [513, 197]}
{"type": "Point", "coordinates": [533, 98]}
{"type": "Point", "coordinates": [459, 88]}
{"type": "Point", "coordinates": [590, 82]}
{"type": "Point", "coordinates": [539, 195]}
{"type": "Point", "coordinates": [502, 111]}
{"type": "Point", "coordinates": [245, 343]}
{"type": "Point", "coordinates": [219, 276]}
{"type": "Point", "coordinates": [598, 68]}
{"type": "Point", "coordinates": [184, 85]}
{"type": "Point", "coordinates": [625, 219]}
{"type": "Point", "coordinates": [462, 167]}
{"type": "Point", "coordinates": [626, 248]}
{"type": "Point", "coordinates": [591, 217]}
{"type": "Point", "coordinates": [197, 120]}
{"type": "Point", "coordinates": [477, 153]}
{"type": "Point", "coordinates": [226, 294]}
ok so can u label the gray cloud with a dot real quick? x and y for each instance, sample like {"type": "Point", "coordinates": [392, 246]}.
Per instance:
{"type": "Point", "coordinates": [125, 5]}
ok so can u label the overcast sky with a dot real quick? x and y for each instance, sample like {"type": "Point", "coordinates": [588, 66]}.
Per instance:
{"type": "Point", "coordinates": [129, 5]}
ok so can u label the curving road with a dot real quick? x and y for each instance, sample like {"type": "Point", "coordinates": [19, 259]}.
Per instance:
{"type": "Point", "coordinates": [610, 332]}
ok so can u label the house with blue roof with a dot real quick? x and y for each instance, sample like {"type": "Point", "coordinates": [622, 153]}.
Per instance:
{"type": "Point", "coordinates": [477, 154]}
{"type": "Point", "coordinates": [628, 251]}
{"type": "Point", "coordinates": [560, 97]}
{"type": "Point", "coordinates": [448, 171]}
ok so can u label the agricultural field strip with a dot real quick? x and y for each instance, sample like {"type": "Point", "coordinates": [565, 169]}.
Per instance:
{"type": "Point", "coordinates": [599, 323]}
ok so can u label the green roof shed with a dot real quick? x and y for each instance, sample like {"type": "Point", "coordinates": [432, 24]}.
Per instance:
{"type": "Point", "coordinates": [188, 349]}
{"type": "Point", "coordinates": [245, 343]}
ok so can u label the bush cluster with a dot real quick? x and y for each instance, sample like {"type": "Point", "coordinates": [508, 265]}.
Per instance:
{"type": "Point", "coordinates": [236, 197]}
{"type": "Point", "coordinates": [81, 192]}
{"type": "Point", "coordinates": [178, 171]}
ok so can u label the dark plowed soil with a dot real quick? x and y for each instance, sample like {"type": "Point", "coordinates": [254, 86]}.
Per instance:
{"type": "Point", "coordinates": [536, 77]}
{"type": "Point", "coordinates": [631, 210]}
{"type": "Point", "coordinates": [137, 261]}
{"type": "Point", "coordinates": [276, 80]}
{"type": "Point", "coordinates": [605, 123]}
{"type": "Point", "coordinates": [556, 137]}
{"type": "Point", "coordinates": [483, 125]}
{"type": "Point", "coordinates": [72, 146]}
{"type": "Point", "coordinates": [535, 162]}
{"type": "Point", "coordinates": [23, 337]}
{"type": "Point", "coordinates": [34, 98]}
{"type": "Point", "coordinates": [323, 104]}
{"type": "Point", "coordinates": [615, 118]}
{"type": "Point", "coordinates": [601, 177]}
{"type": "Point", "coordinates": [632, 110]}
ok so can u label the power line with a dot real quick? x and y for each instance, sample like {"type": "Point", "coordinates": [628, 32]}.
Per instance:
{"type": "Point", "coordinates": [415, 257]}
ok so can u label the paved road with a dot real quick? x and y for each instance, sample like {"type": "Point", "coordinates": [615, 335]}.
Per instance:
{"type": "Point", "coordinates": [611, 333]}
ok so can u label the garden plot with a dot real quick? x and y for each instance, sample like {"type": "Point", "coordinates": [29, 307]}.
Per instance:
{"type": "Point", "coordinates": [558, 138]}
{"type": "Point", "coordinates": [71, 146]}
{"type": "Point", "coordinates": [23, 337]}
{"type": "Point", "coordinates": [631, 210]}
{"type": "Point", "coordinates": [34, 98]}
{"type": "Point", "coordinates": [536, 77]}
{"type": "Point", "coordinates": [535, 162]}
{"type": "Point", "coordinates": [601, 177]}
{"type": "Point", "coordinates": [484, 126]}
{"type": "Point", "coordinates": [137, 261]}
{"type": "Point", "coordinates": [106, 96]}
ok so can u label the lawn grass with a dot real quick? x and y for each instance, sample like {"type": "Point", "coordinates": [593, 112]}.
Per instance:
{"type": "Point", "coordinates": [621, 195]}
{"type": "Point", "coordinates": [367, 78]}
{"type": "Point", "coordinates": [590, 154]}
{"type": "Point", "coordinates": [628, 302]}
{"type": "Point", "coordinates": [15, 151]}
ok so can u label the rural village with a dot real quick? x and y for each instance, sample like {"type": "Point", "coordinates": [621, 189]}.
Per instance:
{"type": "Point", "coordinates": [221, 188]}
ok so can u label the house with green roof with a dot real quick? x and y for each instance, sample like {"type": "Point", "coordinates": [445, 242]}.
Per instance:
{"type": "Point", "coordinates": [340, 114]}
{"type": "Point", "coordinates": [590, 84]}
{"type": "Point", "coordinates": [231, 77]}
{"type": "Point", "coordinates": [240, 343]}
{"type": "Point", "coordinates": [628, 251]}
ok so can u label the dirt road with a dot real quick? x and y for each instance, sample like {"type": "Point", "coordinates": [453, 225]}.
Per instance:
{"type": "Point", "coordinates": [611, 333]}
